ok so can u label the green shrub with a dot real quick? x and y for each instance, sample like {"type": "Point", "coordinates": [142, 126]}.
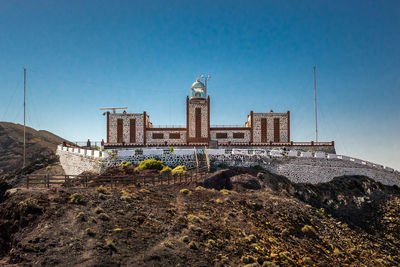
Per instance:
{"type": "Point", "coordinates": [103, 190]}
{"type": "Point", "coordinates": [151, 164]}
{"type": "Point", "coordinates": [103, 196]}
{"type": "Point", "coordinates": [30, 205]}
{"type": "Point", "coordinates": [81, 217]}
{"type": "Point", "coordinates": [90, 232]}
{"type": "Point", "coordinates": [194, 218]}
{"type": "Point", "coordinates": [185, 191]}
{"type": "Point", "coordinates": [257, 167]}
{"type": "Point", "coordinates": [104, 217]}
{"type": "Point", "coordinates": [125, 163]}
{"type": "Point", "coordinates": [251, 238]}
{"type": "Point", "coordinates": [179, 170]}
{"type": "Point", "coordinates": [110, 245]}
{"type": "Point", "coordinates": [98, 210]}
{"type": "Point", "coordinates": [223, 165]}
{"type": "Point", "coordinates": [171, 149]}
{"type": "Point", "coordinates": [185, 239]}
{"type": "Point", "coordinates": [76, 199]}
{"type": "Point", "coordinates": [192, 245]}
{"type": "Point", "coordinates": [248, 259]}
{"type": "Point", "coordinates": [166, 169]}
{"type": "Point", "coordinates": [309, 231]}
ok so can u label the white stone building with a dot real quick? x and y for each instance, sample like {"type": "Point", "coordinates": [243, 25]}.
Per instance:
{"type": "Point", "coordinates": [126, 130]}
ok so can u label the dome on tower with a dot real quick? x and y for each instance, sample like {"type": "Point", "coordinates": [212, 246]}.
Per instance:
{"type": "Point", "coordinates": [198, 89]}
{"type": "Point", "coordinates": [198, 84]}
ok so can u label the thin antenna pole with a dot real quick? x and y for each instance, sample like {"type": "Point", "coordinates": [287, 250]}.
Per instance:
{"type": "Point", "coordinates": [205, 85]}
{"type": "Point", "coordinates": [315, 102]}
{"type": "Point", "coordinates": [24, 118]}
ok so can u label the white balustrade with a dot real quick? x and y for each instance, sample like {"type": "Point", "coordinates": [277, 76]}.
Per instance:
{"type": "Point", "coordinates": [320, 155]}
{"type": "Point", "coordinates": [333, 156]}
{"type": "Point", "coordinates": [306, 154]}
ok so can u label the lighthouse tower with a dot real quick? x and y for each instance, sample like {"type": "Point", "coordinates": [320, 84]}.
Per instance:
{"type": "Point", "coordinates": [198, 114]}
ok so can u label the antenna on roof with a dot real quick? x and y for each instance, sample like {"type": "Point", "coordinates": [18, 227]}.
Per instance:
{"type": "Point", "coordinates": [206, 77]}
{"type": "Point", "coordinates": [315, 102]}
{"type": "Point", "coordinates": [24, 163]}
{"type": "Point", "coordinates": [113, 109]}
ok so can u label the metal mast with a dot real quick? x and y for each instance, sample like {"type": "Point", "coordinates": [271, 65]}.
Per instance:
{"type": "Point", "coordinates": [315, 102]}
{"type": "Point", "coordinates": [206, 77]}
{"type": "Point", "coordinates": [24, 118]}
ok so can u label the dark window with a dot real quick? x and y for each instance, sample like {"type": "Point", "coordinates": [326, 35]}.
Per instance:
{"type": "Point", "coordinates": [174, 136]}
{"type": "Point", "coordinates": [197, 115]}
{"type": "Point", "coordinates": [158, 136]}
{"type": "Point", "coordinates": [238, 135]}
{"type": "Point", "coordinates": [120, 126]}
{"type": "Point", "coordinates": [221, 135]}
{"type": "Point", "coordinates": [276, 130]}
{"type": "Point", "coordinates": [133, 130]}
{"type": "Point", "coordinates": [263, 130]}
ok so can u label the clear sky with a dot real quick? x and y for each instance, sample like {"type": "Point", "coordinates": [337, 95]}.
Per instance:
{"type": "Point", "coordinates": [84, 55]}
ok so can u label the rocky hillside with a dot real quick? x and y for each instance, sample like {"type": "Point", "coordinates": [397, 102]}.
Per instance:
{"type": "Point", "coordinates": [236, 217]}
{"type": "Point", "coordinates": [40, 144]}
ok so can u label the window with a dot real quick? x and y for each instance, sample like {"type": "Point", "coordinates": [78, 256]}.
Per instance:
{"type": "Point", "coordinates": [238, 135]}
{"type": "Point", "coordinates": [158, 136]}
{"type": "Point", "coordinates": [263, 130]}
{"type": "Point", "coordinates": [132, 131]}
{"type": "Point", "coordinates": [197, 115]}
{"type": "Point", "coordinates": [120, 127]}
{"type": "Point", "coordinates": [221, 135]}
{"type": "Point", "coordinates": [276, 130]}
{"type": "Point", "coordinates": [174, 136]}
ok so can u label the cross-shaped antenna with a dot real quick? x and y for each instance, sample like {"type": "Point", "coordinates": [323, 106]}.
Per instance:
{"type": "Point", "coordinates": [206, 77]}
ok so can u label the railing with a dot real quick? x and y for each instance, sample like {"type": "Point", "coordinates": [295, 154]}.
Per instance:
{"type": "Point", "coordinates": [167, 126]}
{"type": "Point", "coordinates": [93, 144]}
{"type": "Point", "coordinates": [114, 181]}
{"type": "Point", "coordinates": [229, 126]}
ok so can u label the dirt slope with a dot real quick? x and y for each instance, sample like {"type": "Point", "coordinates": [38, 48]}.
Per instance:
{"type": "Point", "coordinates": [278, 224]}
{"type": "Point", "coordinates": [39, 144]}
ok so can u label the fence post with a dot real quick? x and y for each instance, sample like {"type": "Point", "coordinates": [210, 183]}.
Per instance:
{"type": "Point", "coordinates": [48, 180]}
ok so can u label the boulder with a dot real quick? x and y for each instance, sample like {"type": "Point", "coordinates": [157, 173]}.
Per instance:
{"type": "Point", "coordinates": [219, 180]}
{"type": "Point", "coordinates": [246, 181]}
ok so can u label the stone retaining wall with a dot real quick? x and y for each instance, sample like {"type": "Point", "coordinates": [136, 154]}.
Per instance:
{"type": "Point", "coordinates": [311, 170]}
{"type": "Point", "coordinates": [305, 167]}
{"type": "Point", "coordinates": [76, 163]}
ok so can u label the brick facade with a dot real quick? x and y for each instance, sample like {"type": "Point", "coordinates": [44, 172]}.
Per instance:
{"type": "Point", "coordinates": [259, 129]}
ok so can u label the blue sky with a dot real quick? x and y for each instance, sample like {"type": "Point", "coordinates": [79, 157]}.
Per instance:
{"type": "Point", "coordinates": [84, 55]}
